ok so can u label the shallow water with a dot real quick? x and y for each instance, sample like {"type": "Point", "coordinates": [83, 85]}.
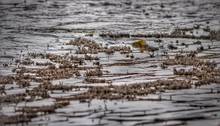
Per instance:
{"type": "Point", "coordinates": [42, 22]}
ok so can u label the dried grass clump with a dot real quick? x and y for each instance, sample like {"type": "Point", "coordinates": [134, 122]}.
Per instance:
{"type": "Point", "coordinates": [37, 55]}
{"type": "Point", "coordinates": [96, 72]}
{"type": "Point", "coordinates": [6, 79]}
{"type": "Point", "coordinates": [27, 61]}
{"type": "Point", "coordinates": [204, 71]}
{"type": "Point", "coordinates": [2, 90]}
{"type": "Point", "coordinates": [91, 45]}
{"type": "Point", "coordinates": [57, 73]}
{"type": "Point", "coordinates": [122, 49]}
{"type": "Point", "coordinates": [43, 109]}
{"type": "Point", "coordinates": [14, 98]}
{"type": "Point", "coordinates": [131, 91]}
{"type": "Point", "coordinates": [15, 119]}
{"type": "Point", "coordinates": [43, 64]}
{"type": "Point", "coordinates": [188, 60]}
{"type": "Point", "coordinates": [23, 83]}
{"type": "Point", "coordinates": [47, 85]}
{"type": "Point", "coordinates": [95, 80]}
{"type": "Point", "coordinates": [89, 57]}
{"type": "Point", "coordinates": [84, 50]}
{"type": "Point", "coordinates": [38, 92]}
{"type": "Point", "coordinates": [177, 33]}
{"type": "Point", "coordinates": [115, 35]}
{"type": "Point", "coordinates": [65, 65]}
{"type": "Point", "coordinates": [215, 35]}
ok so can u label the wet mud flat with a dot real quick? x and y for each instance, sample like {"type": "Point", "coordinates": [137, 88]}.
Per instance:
{"type": "Point", "coordinates": [85, 82]}
{"type": "Point", "coordinates": [72, 63]}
